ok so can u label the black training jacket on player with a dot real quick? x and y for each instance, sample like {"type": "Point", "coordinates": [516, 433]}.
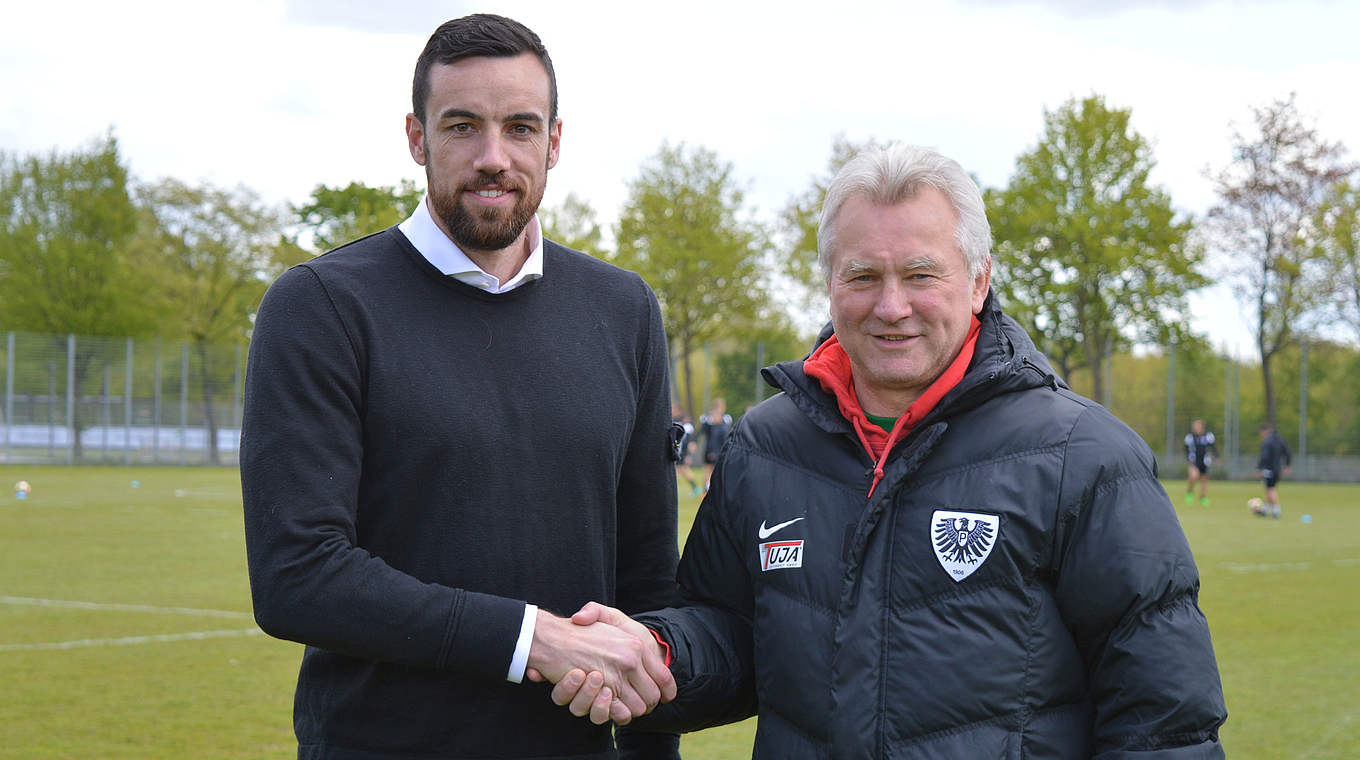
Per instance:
{"type": "Point", "coordinates": [1018, 586]}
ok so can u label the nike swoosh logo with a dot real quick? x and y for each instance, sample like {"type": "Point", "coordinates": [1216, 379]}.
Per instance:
{"type": "Point", "coordinates": [765, 532]}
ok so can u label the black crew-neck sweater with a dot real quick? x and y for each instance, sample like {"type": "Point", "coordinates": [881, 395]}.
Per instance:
{"type": "Point", "coordinates": [420, 458]}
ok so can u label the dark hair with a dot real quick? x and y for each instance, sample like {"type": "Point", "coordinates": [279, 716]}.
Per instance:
{"type": "Point", "coordinates": [481, 34]}
{"type": "Point", "coordinates": [1265, 426]}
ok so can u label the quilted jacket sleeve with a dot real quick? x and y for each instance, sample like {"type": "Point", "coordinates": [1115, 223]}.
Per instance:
{"type": "Point", "coordinates": [712, 666]}
{"type": "Point", "coordinates": [710, 637]}
{"type": "Point", "coordinates": [1128, 589]}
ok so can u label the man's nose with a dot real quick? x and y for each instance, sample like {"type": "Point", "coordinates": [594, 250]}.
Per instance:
{"type": "Point", "coordinates": [894, 301]}
{"type": "Point", "coordinates": [493, 157]}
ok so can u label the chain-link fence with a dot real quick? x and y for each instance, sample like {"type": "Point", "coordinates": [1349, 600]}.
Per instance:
{"type": "Point", "coordinates": [1160, 391]}
{"type": "Point", "coordinates": [83, 399]}
{"type": "Point", "coordinates": [98, 400]}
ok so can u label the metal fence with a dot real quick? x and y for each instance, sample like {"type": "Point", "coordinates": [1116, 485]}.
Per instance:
{"type": "Point", "coordinates": [88, 399]}
{"type": "Point", "coordinates": [98, 400]}
{"type": "Point", "coordinates": [1159, 391]}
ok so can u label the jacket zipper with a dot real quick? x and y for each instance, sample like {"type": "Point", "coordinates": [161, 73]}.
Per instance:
{"type": "Point", "coordinates": [1048, 378]}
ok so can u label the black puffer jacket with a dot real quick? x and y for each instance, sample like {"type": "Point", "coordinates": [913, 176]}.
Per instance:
{"type": "Point", "coordinates": [1059, 621]}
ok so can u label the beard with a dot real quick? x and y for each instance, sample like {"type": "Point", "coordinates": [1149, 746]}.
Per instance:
{"type": "Point", "coordinates": [487, 229]}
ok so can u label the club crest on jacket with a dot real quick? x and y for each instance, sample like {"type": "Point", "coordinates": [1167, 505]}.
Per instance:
{"type": "Point", "coordinates": [963, 540]}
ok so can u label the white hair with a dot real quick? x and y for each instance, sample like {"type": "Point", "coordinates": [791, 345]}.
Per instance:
{"type": "Point", "coordinates": [891, 175]}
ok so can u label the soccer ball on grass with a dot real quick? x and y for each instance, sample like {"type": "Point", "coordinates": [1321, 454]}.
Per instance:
{"type": "Point", "coordinates": [1256, 505]}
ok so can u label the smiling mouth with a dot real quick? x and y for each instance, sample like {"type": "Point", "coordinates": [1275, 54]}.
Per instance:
{"type": "Point", "coordinates": [490, 193]}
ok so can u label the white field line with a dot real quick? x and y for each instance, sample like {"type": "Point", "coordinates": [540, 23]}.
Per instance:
{"type": "Point", "coordinates": [130, 640]}
{"type": "Point", "coordinates": [28, 601]}
{"type": "Point", "coordinates": [203, 494]}
{"type": "Point", "coordinates": [1325, 739]}
{"type": "Point", "coordinates": [1275, 567]}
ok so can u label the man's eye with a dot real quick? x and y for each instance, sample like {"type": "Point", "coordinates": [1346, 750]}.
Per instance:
{"type": "Point", "coordinates": [521, 129]}
{"type": "Point", "coordinates": [461, 128]}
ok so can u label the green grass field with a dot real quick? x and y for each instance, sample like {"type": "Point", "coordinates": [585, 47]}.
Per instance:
{"type": "Point", "coordinates": [125, 629]}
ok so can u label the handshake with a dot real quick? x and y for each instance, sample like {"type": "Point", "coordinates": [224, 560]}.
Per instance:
{"type": "Point", "coordinates": [602, 663]}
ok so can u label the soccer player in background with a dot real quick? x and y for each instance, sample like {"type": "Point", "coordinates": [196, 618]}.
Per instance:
{"type": "Point", "coordinates": [1272, 465]}
{"type": "Point", "coordinates": [714, 427]}
{"type": "Point", "coordinates": [685, 447]}
{"type": "Point", "coordinates": [1200, 450]}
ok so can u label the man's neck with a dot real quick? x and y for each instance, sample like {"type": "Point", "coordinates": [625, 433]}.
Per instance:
{"type": "Point", "coordinates": [880, 404]}
{"type": "Point", "coordinates": [502, 263]}
{"type": "Point", "coordinates": [505, 263]}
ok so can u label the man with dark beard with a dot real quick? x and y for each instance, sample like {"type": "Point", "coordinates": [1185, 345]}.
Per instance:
{"type": "Point", "coordinates": [419, 486]}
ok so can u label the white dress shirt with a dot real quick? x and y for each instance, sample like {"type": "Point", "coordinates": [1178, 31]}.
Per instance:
{"type": "Point", "coordinates": [447, 257]}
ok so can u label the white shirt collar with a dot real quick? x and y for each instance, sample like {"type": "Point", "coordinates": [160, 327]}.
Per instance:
{"type": "Point", "coordinates": [449, 259]}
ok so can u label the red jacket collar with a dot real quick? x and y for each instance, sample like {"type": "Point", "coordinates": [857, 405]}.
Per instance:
{"type": "Point", "coordinates": [830, 366]}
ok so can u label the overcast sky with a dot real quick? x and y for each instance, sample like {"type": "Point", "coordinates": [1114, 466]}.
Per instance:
{"type": "Point", "coordinates": [281, 95]}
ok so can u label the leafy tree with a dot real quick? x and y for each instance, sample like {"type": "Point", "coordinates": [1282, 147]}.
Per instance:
{"type": "Point", "coordinates": [1333, 402]}
{"type": "Point", "coordinates": [1200, 374]}
{"type": "Point", "coordinates": [337, 215]}
{"type": "Point", "coordinates": [1269, 197]}
{"type": "Point", "coordinates": [65, 223]}
{"type": "Point", "coordinates": [572, 223]}
{"type": "Point", "coordinates": [1088, 253]}
{"type": "Point", "coordinates": [209, 252]}
{"type": "Point", "coordinates": [798, 222]}
{"type": "Point", "coordinates": [1339, 222]}
{"type": "Point", "coordinates": [738, 378]}
{"type": "Point", "coordinates": [287, 252]}
{"type": "Point", "coordinates": [683, 230]}
{"type": "Point", "coordinates": [1140, 396]}
{"type": "Point", "coordinates": [65, 220]}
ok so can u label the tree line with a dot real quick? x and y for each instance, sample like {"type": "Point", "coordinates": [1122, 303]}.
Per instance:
{"type": "Point", "coordinates": [1090, 255]}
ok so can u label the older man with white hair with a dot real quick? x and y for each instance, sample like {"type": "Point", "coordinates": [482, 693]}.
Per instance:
{"type": "Point", "coordinates": [927, 546]}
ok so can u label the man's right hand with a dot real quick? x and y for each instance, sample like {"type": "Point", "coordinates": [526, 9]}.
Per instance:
{"type": "Point", "coordinates": [601, 665]}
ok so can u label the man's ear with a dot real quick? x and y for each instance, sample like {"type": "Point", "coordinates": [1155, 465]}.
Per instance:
{"type": "Point", "coordinates": [554, 143]}
{"type": "Point", "coordinates": [981, 284]}
{"type": "Point", "coordinates": [415, 138]}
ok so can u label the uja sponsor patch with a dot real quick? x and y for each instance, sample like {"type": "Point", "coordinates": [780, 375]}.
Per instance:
{"type": "Point", "coordinates": [775, 555]}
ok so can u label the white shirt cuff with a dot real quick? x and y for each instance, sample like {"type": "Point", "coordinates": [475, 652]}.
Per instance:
{"type": "Point", "coordinates": [520, 661]}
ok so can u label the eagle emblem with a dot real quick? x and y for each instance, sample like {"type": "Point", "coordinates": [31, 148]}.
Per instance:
{"type": "Point", "coordinates": [963, 540]}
